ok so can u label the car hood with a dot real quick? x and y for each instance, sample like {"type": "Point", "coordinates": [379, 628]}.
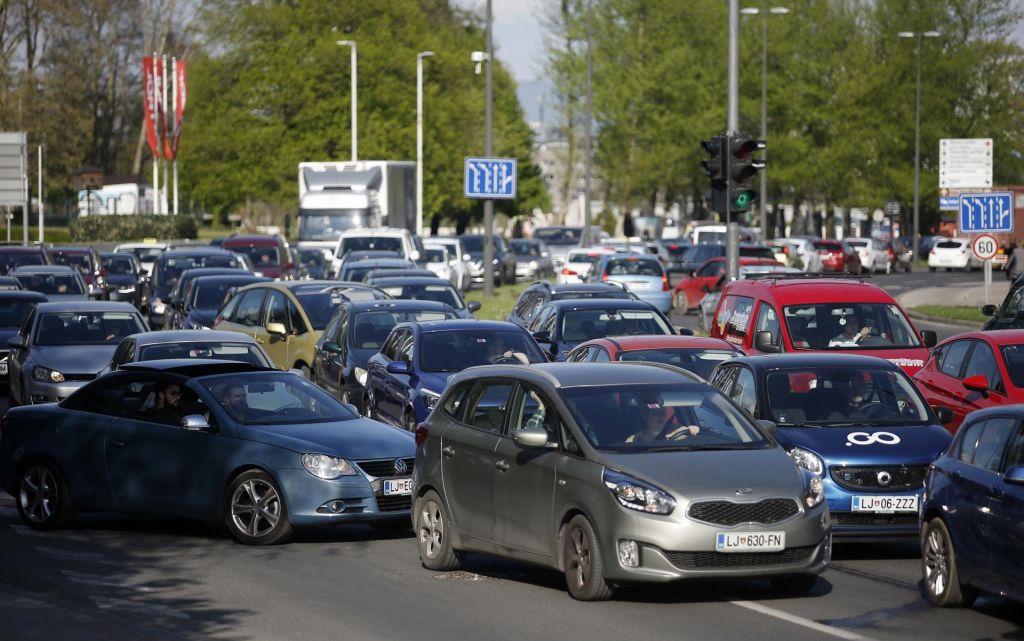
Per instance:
{"type": "Point", "coordinates": [360, 357]}
{"type": "Point", "coordinates": [684, 472]}
{"type": "Point", "coordinates": [122, 279]}
{"type": "Point", "coordinates": [76, 359]}
{"type": "Point", "coordinates": [204, 317]}
{"type": "Point", "coordinates": [869, 445]}
{"type": "Point", "coordinates": [357, 439]}
{"type": "Point", "coordinates": [909, 359]}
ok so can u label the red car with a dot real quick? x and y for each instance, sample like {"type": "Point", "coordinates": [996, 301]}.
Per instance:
{"type": "Point", "coordinates": [692, 353]}
{"type": "Point", "coordinates": [973, 371]}
{"type": "Point", "coordinates": [837, 256]}
{"type": "Point", "coordinates": [690, 289]}
{"type": "Point", "coordinates": [270, 255]}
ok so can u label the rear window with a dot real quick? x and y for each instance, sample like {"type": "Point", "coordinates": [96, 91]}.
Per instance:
{"type": "Point", "coordinates": [949, 244]}
{"type": "Point", "coordinates": [757, 252]}
{"type": "Point", "coordinates": [588, 324]}
{"type": "Point", "coordinates": [633, 267]}
{"type": "Point", "coordinates": [827, 246]}
{"type": "Point", "coordinates": [260, 256]}
{"type": "Point", "coordinates": [363, 243]}
{"type": "Point", "coordinates": [8, 261]}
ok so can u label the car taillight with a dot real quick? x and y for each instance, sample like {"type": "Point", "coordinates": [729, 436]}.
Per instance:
{"type": "Point", "coordinates": [664, 282]}
{"type": "Point", "coordinates": [785, 250]}
{"type": "Point", "coordinates": [103, 273]}
{"type": "Point", "coordinates": [604, 276]}
{"type": "Point", "coordinates": [932, 251]}
{"type": "Point", "coordinates": [218, 319]}
{"type": "Point", "coordinates": [422, 433]}
{"type": "Point", "coordinates": [568, 272]}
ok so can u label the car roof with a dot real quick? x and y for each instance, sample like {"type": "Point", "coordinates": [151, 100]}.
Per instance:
{"type": "Point", "coordinates": [44, 269]}
{"type": "Point", "coordinates": [599, 303]}
{"type": "Point", "coordinates": [631, 343]}
{"type": "Point", "coordinates": [463, 324]}
{"type": "Point", "coordinates": [397, 304]}
{"type": "Point", "coordinates": [566, 375]}
{"type": "Point", "coordinates": [791, 291]}
{"type": "Point", "coordinates": [568, 288]}
{"type": "Point", "coordinates": [21, 249]}
{"type": "Point", "coordinates": [815, 359]}
{"type": "Point", "coordinates": [116, 254]}
{"type": "Point", "coordinates": [380, 281]}
{"type": "Point", "coordinates": [242, 275]}
{"type": "Point", "coordinates": [194, 366]}
{"type": "Point", "coordinates": [196, 250]}
{"type": "Point", "coordinates": [995, 336]}
{"type": "Point", "coordinates": [22, 294]}
{"type": "Point", "coordinates": [374, 231]}
{"type": "Point", "coordinates": [162, 337]}
{"type": "Point", "coordinates": [73, 249]}
{"type": "Point", "coordinates": [378, 262]}
{"type": "Point", "coordinates": [86, 306]}
{"type": "Point", "coordinates": [213, 271]}
{"type": "Point", "coordinates": [269, 241]}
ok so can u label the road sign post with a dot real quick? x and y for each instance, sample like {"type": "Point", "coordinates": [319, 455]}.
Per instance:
{"type": "Point", "coordinates": [985, 248]}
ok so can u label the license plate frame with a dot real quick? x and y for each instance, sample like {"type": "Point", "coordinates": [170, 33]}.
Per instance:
{"type": "Point", "coordinates": [742, 542]}
{"type": "Point", "coordinates": [884, 504]}
{"type": "Point", "coordinates": [397, 487]}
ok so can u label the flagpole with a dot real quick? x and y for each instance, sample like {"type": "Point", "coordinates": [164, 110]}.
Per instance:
{"type": "Point", "coordinates": [174, 119]}
{"type": "Point", "coordinates": [163, 136]}
{"type": "Point", "coordinates": [156, 153]}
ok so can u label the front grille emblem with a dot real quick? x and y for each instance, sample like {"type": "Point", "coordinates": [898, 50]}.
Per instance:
{"type": "Point", "coordinates": [400, 466]}
{"type": "Point", "coordinates": [744, 491]}
{"type": "Point", "coordinates": [884, 478]}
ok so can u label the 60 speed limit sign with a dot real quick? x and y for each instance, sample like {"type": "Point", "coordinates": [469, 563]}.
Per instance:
{"type": "Point", "coordinates": [985, 247]}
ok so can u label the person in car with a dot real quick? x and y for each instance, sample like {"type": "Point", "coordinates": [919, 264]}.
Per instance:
{"type": "Point", "coordinates": [498, 351]}
{"type": "Point", "coordinates": [165, 410]}
{"type": "Point", "coordinates": [660, 423]}
{"type": "Point", "coordinates": [850, 336]}
{"type": "Point", "coordinates": [233, 399]}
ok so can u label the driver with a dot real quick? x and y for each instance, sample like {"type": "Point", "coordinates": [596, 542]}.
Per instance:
{"type": "Point", "coordinates": [660, 423]}
{"type": "Point", "coordinates": [850, 336]}
{"type": "Point", "coordinates": [233, 399]}
{"type": "Point", "coordinates": [498, 351]}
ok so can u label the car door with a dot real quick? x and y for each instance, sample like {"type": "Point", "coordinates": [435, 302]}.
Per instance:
{"type": "Point", "coordinates": [941, 378]}
{"type": "Point", "coordinates": [17, 358]}
{"type": "Point", "coordinates": [524, 477]}
{"type": "Point", "coordinates": [743, 391]}
{"type": "Point", "coordinates": [1008, 316]}
{"type": "Point", "coordinates": [399, 386]}
{"type": "Point", "coordinates": [275, 310]}
{"type": "Point", "coordinates": [1007, 514]}
{"type": "Point", "coordinates": [328, 366]}
{"type": "Point", "coordinates": [767, 320]}
{"type": "Point", "coordinates": [706, 275]}
{"type": "Point", "coordinates": [982, 362]}
{"type": "Point", "coordinates": [376, 373]}
{"type": "Point", "coordinates": [468, 457]}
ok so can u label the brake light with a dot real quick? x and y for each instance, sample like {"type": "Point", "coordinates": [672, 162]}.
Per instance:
{"type": "Point", "coordinates": [604, 276]}
{"type": "Point", "coordinates": [785, 250]}
{"type": "Point", "coordinates": [421, 433]}
{"type": "Point", "coordinates": [664, 282]}
{"type": "Point", "coordinates": [103, 272]}
{"type": "Point", "coordinates": [218, 319]}
{"type": "Point", "coordinates": [568, 272]}
{"type": "Point", "coordinates": [673, 247]}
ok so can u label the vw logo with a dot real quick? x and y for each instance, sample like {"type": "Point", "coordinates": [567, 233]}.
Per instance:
{"type": "Point", "coordinates": [884, 478]}
{"type": "Point", "coordinates": [870, 438]}
{"type": "Point", "coordinates": [743, 491]}
{"type": "Point", "coordinates": [400, 466]}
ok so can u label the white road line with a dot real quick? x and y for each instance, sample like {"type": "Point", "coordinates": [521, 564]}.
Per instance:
{"type": "Point", "coordinates": [102, 581]}
{"type": "Point", "coordinates": [798, 620]}
{"type": "Point", "coordinates": [8, 511]}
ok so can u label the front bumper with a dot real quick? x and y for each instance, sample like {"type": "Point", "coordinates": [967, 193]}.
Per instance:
{"type": "Point", "coordinates": [849, 524]}
{"type": "Point", "coordinates": [309, 499]}
{"type": "Point", "coordinates": [47, 392]}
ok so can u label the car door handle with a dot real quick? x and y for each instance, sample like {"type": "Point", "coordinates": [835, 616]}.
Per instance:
{"type": "Point", "coordinates": [448, 451]}
{"type": "Point", "coordinates": [502, 466]}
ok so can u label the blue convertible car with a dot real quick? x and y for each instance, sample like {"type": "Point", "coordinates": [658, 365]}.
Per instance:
{"type": "Point", "coordinates": [260, 450]}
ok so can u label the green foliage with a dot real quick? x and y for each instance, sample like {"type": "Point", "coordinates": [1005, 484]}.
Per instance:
{"type": "Point", "coordinates": [607, 220]}
{"type": "Point", "coordinates": [128, 228]}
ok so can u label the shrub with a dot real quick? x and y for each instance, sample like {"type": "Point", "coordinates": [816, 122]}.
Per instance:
{"type": "Point", "coordinates": [117, 228]}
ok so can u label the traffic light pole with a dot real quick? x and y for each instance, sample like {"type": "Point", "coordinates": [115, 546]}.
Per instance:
{"type": "Point", "coordinates": [733, 126]}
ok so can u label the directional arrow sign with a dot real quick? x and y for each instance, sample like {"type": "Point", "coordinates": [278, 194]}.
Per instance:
{"type": "Point", "coordinates": [981, 213]}
{"type": "Point", "coordinates": [490, 178]}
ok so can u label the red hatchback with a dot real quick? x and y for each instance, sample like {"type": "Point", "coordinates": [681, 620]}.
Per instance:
{"type": "Point", "coordinates": [270, 255]}
{"type": "Point", "coordinates": [692, 353]}
{"type": "Point", "coordinates": [837, 256]}
{"type": "Point", "coordinates": [973, 371]}
{"type": "Point", "coordinates": [691, 289]}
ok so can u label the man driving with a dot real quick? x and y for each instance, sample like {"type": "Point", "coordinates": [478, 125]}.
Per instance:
{"type": "Point", "coordinates": [660, 423]}
{"type": "Point", "coordinates": [850, 336]}
{"type": "Point", "coordinates": [498, 351]}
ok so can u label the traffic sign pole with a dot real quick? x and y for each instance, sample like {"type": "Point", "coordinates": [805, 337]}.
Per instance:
{"type": "Point", "coordinates": [984, 247]}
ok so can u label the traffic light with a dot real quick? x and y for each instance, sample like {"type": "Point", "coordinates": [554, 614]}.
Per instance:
{"type": "Point", "coordinates": [715, 168]}
{"type": "Point", "coordinates": [742, 168]}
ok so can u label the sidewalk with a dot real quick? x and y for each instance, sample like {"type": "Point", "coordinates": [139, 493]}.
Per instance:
{"type": "Point", "coordinates": [953, 295]}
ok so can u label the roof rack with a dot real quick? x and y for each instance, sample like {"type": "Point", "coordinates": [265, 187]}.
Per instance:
{"type": "Point", "coordinates": [806, 276]}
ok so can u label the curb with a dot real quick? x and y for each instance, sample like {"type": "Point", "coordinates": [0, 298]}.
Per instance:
{"type": "Point", "coordinates": [943, 321]}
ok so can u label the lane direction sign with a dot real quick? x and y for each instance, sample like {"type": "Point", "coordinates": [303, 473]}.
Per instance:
{"type": "Point", "coordinates": [981, 213]}
{"type": "Point", "coordinates": [490, 178]}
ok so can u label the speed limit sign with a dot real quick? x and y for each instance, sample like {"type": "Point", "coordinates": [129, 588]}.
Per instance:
{"type": "Point", "coordinates": [985, 247]}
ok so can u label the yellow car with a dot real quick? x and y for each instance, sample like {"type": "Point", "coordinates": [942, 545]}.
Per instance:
{"type": "Point", "coordinates": [287, 317]}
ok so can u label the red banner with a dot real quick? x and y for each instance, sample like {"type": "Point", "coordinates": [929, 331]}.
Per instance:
{"type": "Point", "coordinates": [161, 107]}
{"type": "Point", "coordinates": [150, 82]}
{"type": "Point", "coordinates": [181, 94]}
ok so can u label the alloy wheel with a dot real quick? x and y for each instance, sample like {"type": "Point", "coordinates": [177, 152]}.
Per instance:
{"type": "Point", "coordinates": [579, 561]}
{"type": "Point", "coordinates": [38, 494]}
{"type": "Point", "coordinates": [431, 530]}
{"type": "Point", "coordinates": [936, 563]}
{"type": "Point", "coordinates": [255, 507]}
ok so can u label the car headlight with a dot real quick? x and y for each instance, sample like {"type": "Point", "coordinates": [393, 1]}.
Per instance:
{"type": "Point", "coordinates": [258, 274]}
{"type": "Point", "coordinates": [44, 374]}
{"type": "Point", "coordinates": [158, 306]}
{"type": "Point", "coordinates": [360, 374]}
{"type": "Point", "coordinates": [814, 493]}
{"type": "Point", "coordinates": [126, 290]}
{"type": "Point", "coordinates": [430, 399]}
{"type": "Point", "coordinates": [494, 261]}
{"type": "Point", "coordinates": [807, 460]}
{"type": "Point", "coordinates": [533, 264]}
{"type": "Point", "coordinates": [637, 495]}
{"type": "Point", "coordinates": [327, 467]}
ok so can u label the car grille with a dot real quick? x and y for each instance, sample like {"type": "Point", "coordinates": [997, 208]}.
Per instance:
{"type": "Point", "coordinates": [79, 377]}
{"type": "Point", "coordinates": [385, 468]}
{"type": "Point", "coordinates": [731, 513]}
{"type": "Point", "coordinates": [394, 503]}
{"type": "Point", "coordinates": [719, 560]}
{"type": "Point", "coordinates": [902, 477]}
{"type": "Point", "coordinates": [850, 519]}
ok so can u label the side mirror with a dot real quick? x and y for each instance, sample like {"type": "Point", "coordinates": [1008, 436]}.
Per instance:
{"type": "Point", "coordinates": [473, 305]}
{"type": "Point", "coordinates": [684, 331]}
{"type": "Point", "coordinates": [977, 383]}
{"type": "Point", "coordinates": [466, 258]}
{"type": "Point", "coordinates": [195, 423]}
{"type": "Point", "coordinates": [277, 331]}
{"type": "Point", "coordinates": [398, 367]}
{"type": "Point", "coordinates": [531, 437]}
{"type": "Point", "coordinates": [929, 338]}
{"type": "Point", "coordinates": [414, 255]}
{"type": "Point", "coordinates": [989, 310]}
{"type": "Point", "coordinates": [767, 426]}
{"type": "Point", "coordinates": [1015, 475]}
{"type": "Point", "coordinates": [944, 414]}
{"type": "Point", "coordinates": [331, 347]}
{"type": "Point", "coordinates": [17, 341]}
{"type": "Point", "coordinates": [764, 341]}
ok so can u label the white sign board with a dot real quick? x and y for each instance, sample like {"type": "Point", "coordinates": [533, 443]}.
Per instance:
{"type": "Point", "coordinates": [985, 247]}
{"type": "Point", "coordinates": [13, 169]}
{"type": "Point", "coordinates": [965, 162]}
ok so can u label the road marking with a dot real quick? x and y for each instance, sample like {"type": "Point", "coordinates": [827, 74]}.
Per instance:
{"type": "Point", "coordinates": [103, 581]}
{"type": "Point", "coordinates": [8, 511]}
{"type": "Point", "coordinates": [801, 621]}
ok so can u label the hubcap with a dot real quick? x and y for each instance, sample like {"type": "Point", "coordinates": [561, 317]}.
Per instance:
{"type": "Point", "coordinates": [255, 507]}
{"type": "Point", "coordinates": [936, 563]}
{"type": "Point", "coordinates": [579, 558]}
{"type": "Point", "coordinates": [38, 494]}
{"type": "Point", "coordinates": [431, 530]}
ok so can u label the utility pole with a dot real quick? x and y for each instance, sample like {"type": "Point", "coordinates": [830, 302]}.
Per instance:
{"type": "Point", "coordinates": [488, 152]}
{"type": "Point", "coordinates": [732, 128]}
{"type": "Point", "coordinates": [587, 212]}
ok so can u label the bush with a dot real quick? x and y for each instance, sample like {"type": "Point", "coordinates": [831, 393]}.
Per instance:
{"type": "Point", "coordinates": [132, 227]}
{"type": "Point", "coordinates": [607, 221]}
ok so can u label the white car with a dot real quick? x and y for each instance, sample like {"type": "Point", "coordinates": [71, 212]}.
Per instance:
{"type": "Point", "coordinates": [578, 264]}
{"type": "Point", "coordinates": [145, 252]}
{"type": "Point", "coordinates": [953, 253]}
{"type": "Point", "coordinates": [407, 244]}
{"type": "Point", "coordinates": [874, 256]}
{"type": "Point", "coordinates": [458, 261]}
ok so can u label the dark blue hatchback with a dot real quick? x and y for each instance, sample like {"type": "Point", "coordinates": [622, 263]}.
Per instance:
{"type": "Point", "coordinates": [972, 520]}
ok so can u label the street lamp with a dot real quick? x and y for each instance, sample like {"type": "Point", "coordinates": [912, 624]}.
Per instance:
{"type": "Point", "coordinates": [355, 145]}
{"type": "Point", "coordinates": [419, 139]}
{"type": "Point", "coordinates": [763, 198]}
{"type": "Point", "coordinates": [918, 36]}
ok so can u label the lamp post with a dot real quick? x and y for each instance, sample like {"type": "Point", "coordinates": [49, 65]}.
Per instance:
{"type": "Point", "coordinates": [419, 139]}
{"type": "Point", "coordinates": [488, 152]}
{"type": "Point", "coordinates": [918, 36]}
{"type": "Point", "coordinates": [355, 131]}
{"type": "Point", "coordinates": [764, 13]}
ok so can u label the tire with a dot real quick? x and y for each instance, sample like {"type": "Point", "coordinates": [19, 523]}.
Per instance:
{"type": "Point", "coordinates": [949, 269]}
{"type": "Point", "coordinates": [909, 268]}
{"type": "Point", "coordinates": [434, 533]}
{"type": "Point", "coordinates": [584, 567]}
{"type": "Point", "coordinates": [44, 498]}
{"type": "Point", "coordinates": [255, 511]}
{"type": "Point", "coordinates": [931, 269]}
{"type": "Point", "coordinates": [794, 583]}
{"type": "Point", "coordinates": [938, 567]}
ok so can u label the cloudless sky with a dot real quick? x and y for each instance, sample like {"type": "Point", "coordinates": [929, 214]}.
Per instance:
{"type": "Point", "coordinates": [518, 41]}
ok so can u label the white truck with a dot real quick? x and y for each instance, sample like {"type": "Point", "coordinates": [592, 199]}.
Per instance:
{"type": "Point", "coordinates": [120, 199]}
{"type": "Point", "coordinates": [338, 196]}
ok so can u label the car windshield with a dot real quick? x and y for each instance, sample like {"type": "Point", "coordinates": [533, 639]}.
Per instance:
{"type": "Point", "coordinates": [619, 294]}
{"type": "Point", "coordinates": [455, 350]}
{"type": "Point", "coordinates": [843, 396]}
{"type": "Point", "coordinates": [441, 293]}
{"type": "Point", "coordinates": [221, 350]}
{"type": "Point", "coordinates": [146, 253]}
{"type": "Point", "coordinates": [860, 326]}
{"type": "Point", "coordinates": [435, 254]}
{"type": "Point", "coordinates": [311, 257]}
{"type": "Point", "coordinates": [361, 243]}
{"type": "Point", "coordinates": [211, 295]}
{"type": "Point", "coordinates": [10, 260]}
{"type": "Point", "coordinates": [633, 266]}
{"type": "Point", "coordinates": [274, 398]}
{"type": "Point", "coordinates": [260, 256]}
{"type": "Point", "coordinates": [78, 261]}
{"type": "Point", "coordinates": [473, 243]}
{"type": "Point", "coordinates": [86, 328]}
{"type": "Point", "coordinates": [328, 224]}
{"type": "Point", "coordinates": [170, 268]}
{"type": "Point", "coordinates": [371, 329]}
{"type": "Point", "coordinates": [118, 265]}
{"type": "Point", "coordinates": [558, 235]}
{"type": "Point", "coordinates": [524, 248]}
{"type": "Point", "coordinates": [660, 417]}
{"type": "Point", "coordinates": [701, 253]}
{"type": "Point", "coordinates": [588, 324]}
{"type": "Point", "coordinates": [14, 311]}
{"type": "Point", "coordinates": [700, 361]}
{"type": "Point", "coordinates": [52, 284]}
{"type": "Point", "coordinates": [357, 272]}
{"type": "Point", "coordinates": [1014, 357]}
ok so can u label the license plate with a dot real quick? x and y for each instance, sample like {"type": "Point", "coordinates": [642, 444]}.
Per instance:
{"type": "Point", "coordinates": [638, 286]}
{"type": "Point", "coordinates": [398, 487]}
{"type": "Point", "coordinates": [750, 541]}
{"type": "Point", "coordinates": [884, 504]}
{"type": "Point", "coordinates": [3, 369]}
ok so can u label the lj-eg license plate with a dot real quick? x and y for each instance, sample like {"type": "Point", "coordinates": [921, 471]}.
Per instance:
{"type": "Point", "coordinates": [398, 487]}
{"type": "Point", "coordinates": [3, 368]}
{"type": "Point", "coordinates": [750, 541]}
{"type": "Point", "coordinates": [884, 504]}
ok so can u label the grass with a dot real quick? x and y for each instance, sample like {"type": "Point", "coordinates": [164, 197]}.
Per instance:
{"type": "Point", "coordinates": [500, 304]}
{"type": "Point", "coordinates": [971, 314]}
{"type": "Point", "coordinates": [51, 234]}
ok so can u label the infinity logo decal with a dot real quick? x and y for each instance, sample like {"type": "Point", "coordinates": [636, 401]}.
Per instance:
{"type": "Point", "coordinates": [866, 438]}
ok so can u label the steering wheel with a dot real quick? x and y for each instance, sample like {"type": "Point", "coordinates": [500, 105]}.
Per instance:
{"type": "Point", "coordinates": [872, 411]}
{"type": "Point", "coordinates": [506, 360]}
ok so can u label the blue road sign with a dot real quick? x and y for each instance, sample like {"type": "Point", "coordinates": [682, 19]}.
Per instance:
{"type": "Point", "coordinates": [949, 203]}
{"type": "Point", "coordinates": [983, 213]}
{"type": "Point", "coordinates": [491, 178]}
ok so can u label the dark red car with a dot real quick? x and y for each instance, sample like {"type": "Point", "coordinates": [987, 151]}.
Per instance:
{"type": "Point", "coordinates": [973, 371]}
{"type": "Point", "coordinates": [692, 353]}
{"type": "Point", "coordinates": [690, 289]}
{"type": "Point", "coordinates": [87, 261]}
{"type": "Point", "coordinates": [270, 255]}
{"type": "Point", "coordinates": [837, 256]}
{"type": "Point", "coordinates": [13, 256]}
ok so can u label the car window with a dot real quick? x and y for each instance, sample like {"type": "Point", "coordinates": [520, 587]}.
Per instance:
{"type": "Point", "coordinates": [279, 399]}
{"type": "Point", "coordinates": [228, 311]}
{"type": "Point", "coordinates": [277, 309]}
{"type": "Point", "coordinates": [633, 267]}
{"type": "Point", "coordinates": [733, 318]}
{"type": "Point", "coordinates": [983, 362]}
{"type": "Point", "coordinates": [487, 405]}
{"type": "Point", "coordinates": [534, 410]}
{"type": "Point", "coordinates": [248, 311]}
{"type": "Point", "coordinates": [1015, 453]}
{"type": "Point", "coordinates": [578, 355]}
{"type": "Point", "coordinates": [716, 268]}
{"type": "Point", "coordinates": [599, 355]}
{"type": "Point", "coordinates": [453, 401]}
{"type": "Point", "coordinates": [86, 328]}
{"type": "Point", "coordinates": [744, 391]}
{"type": "Point", "coordinates": [845, 326]}
{"type": "Point", "coordinates": [296, 324]}
{"type": "Point", "coordinates": [953, 358]}
{"type": "Point", "coordinates": [404, 352]}
{"type": "Point", "coordinates": [723, 378]}
{"type": "Point", "coordinates": [833, 395]}
{"type": "Point", "coordinates": [1013, 355]}
{"type": "Point", "coordinates": [986, 442]}
{"type": "Point", "coordinates": [768, 321]}
{"type": "Point", "coordinates": [1012, 304]}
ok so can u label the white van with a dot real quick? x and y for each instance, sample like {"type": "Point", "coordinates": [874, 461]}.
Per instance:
{"type": "Point", "coordinates": [402, 241]}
